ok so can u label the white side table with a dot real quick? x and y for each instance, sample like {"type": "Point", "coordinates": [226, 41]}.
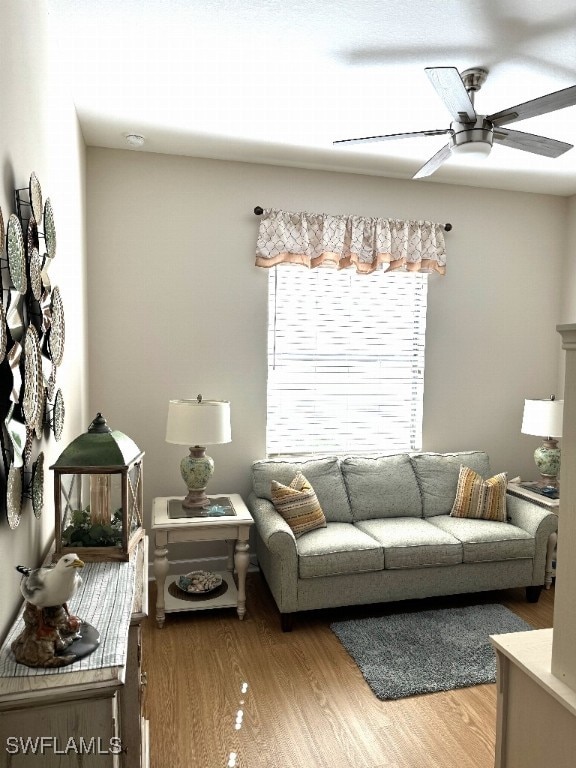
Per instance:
{"type": "Point", "coordinates": [172, 524]}
{"type": "Point", "coordinates": [554, 506]}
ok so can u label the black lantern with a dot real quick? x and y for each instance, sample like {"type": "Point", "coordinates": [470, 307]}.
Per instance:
{"type": "Point", "coordinates": [98, 495]}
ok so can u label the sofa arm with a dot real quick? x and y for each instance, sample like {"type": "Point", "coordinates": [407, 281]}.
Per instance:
{"type": "Point", "coordinates": [274, 531]}
{"type": "Point", "coordinates": [538, 522]}
{"type": "Point", "coordinates": [277, 553]}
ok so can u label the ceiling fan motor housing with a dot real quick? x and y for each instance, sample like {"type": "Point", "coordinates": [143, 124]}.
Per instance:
{"type": "Point", "coordinates": [479, 132]}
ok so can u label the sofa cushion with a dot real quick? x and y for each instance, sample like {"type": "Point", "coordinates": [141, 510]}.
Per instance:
{"type": "Point", "coordinates": [413, 543]}
{"type": "Point", "coordinates": [298, 505]}
{"type": "Point", "coordinates": [487, 540]}
{"type": "Point", "coordinates": [479, 498]}
{"type": "Point", "coordinates": [437, 475]}
{"type": "Point", "coordinates": [382, 486]}
{"type": "Point", "coordinates": [340, 548]}
{"type": "Point", "coordinates": [323, 474]}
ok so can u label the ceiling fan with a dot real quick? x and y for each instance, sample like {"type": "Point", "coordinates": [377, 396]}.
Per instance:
{"type": "Point", "coordinates": [471, 133]}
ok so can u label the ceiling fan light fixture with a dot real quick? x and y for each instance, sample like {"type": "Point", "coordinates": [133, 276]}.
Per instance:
{"type": "Point", "coordinates": [473, 149]}
{"type": "Point", "coordinates": [473, 140]}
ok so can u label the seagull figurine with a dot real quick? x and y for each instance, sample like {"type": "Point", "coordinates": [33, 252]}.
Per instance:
{"type": "Point", "coordinates": [51, 585]}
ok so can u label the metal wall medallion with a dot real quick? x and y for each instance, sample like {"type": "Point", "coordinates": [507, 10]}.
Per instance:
{"type": "Point", "coordinates": [33, 402]}
{"type": "Point", "coordinates": [49, 229]}
{"type": "Point", "coordinates": [32, 336]}
{"type": "Point", "coordinates": [35, 273]}
{"type": "Point", "coordinates": [27, 455]}
{"type": "Point", "coordinates": [2, 235]}
{"type": "Point", "coordinates": [35, 192]}
{"type": "Point", "coordinates": [57, 328]}
{"type": "Point", "coordinates": [3, 334]}
{"type": "Point", "coordinates": [58, 414]}
{"type": "Point", "coordinates": [14, 496]}
{"type": "Point", "coordinates": [39, 428]}
{"type": "Point", "coordinates": [37, 485]}
{"type": "Point", "coordinates": [16, 255]}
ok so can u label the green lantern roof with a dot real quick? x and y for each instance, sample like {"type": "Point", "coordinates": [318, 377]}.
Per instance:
{"type": "Point", "coordinates": [99, 447]}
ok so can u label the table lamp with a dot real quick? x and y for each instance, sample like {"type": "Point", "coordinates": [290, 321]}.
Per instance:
{"type": "Point", "coordinates": [197, 423]}
{"type": "Point", "coordinates": [544, 418]}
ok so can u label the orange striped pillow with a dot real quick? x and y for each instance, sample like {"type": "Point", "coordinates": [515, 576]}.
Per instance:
{"type": "Point", "coordinates": [298, 505]}
{"type": "Point", "coordinates": [479, 498]}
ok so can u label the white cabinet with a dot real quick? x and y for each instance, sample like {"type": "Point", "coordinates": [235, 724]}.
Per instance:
{"type": "Point", "coordinates": [536, 721]}
{"type": "Point", "coordinates": [88, 719]}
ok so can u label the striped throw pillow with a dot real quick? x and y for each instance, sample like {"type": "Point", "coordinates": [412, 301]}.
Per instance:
{"type": "Point", "coordinates": [479, 498]}
{"type": "Point", "coordinates": [298, 505]}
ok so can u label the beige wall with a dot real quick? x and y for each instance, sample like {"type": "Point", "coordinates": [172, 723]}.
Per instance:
{"type": "Point", "coordinates": [568, 285]}
{"type": "Point", "coordinates": [568, 314]}
{"type": "Point", "coordinates": [177, 308]}
{"type": "Point", "coordinates": [39, 132]}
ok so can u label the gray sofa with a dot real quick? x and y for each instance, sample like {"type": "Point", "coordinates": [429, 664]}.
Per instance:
{"type": "Point", "coordinates": [389, 534]}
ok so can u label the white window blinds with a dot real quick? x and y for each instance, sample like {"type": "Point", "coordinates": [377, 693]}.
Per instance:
{"type": "Point", "coordinates": [345, 361]}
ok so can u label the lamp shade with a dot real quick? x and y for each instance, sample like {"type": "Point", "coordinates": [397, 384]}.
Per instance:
{"type": "Point", "coordinates": [543, 417]}
{"type": "Point", "coordinates": [198, 422]}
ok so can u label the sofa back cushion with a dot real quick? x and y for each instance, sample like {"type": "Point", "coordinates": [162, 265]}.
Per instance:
{"type": "Point", "coordinates": [383, 486]}
{"type": "Point", "coordinates": [437, 475]}
{"type": "Point", "coordinates": [323, 474]}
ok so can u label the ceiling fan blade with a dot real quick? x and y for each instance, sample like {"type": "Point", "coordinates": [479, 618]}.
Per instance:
{"type": "Point", "coordinates": [541, 106]}
{"type": "Point", "coordinates": [389, 136]}
{"type": "Point", "coordinates": [530, 142]}
{"type": "Point", "coordinates": [435, 162]}
{"type": "Point", "coordinates": [450, 88]}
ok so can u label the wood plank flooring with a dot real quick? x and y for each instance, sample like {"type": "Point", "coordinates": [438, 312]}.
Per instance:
{"type": "Point", "coordinates": [223, 693]}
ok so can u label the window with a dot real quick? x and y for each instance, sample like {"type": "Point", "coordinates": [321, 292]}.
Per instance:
{"type": "Point", "coordinates": [345, 361]}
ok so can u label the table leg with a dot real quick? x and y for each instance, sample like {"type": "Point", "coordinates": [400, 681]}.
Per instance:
{"type": "Point", "coordinates": [241, 560]}
{"type": "Point", "coordinates": [230, 543]}
{"type": "Point", "coordinates": [160, 572]}
{"type": "Point", "coordinates": [550, 550]}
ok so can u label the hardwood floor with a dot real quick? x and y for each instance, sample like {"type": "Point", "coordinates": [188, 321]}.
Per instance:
{"type": "Point", "coordinates": [223, 693]}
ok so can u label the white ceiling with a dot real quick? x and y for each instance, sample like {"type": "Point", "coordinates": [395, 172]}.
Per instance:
{"type": "Point", "coordinates": [277, 81]}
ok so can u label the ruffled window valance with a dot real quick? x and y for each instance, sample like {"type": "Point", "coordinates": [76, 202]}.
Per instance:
{"type": "Point", "coordinates": [367, 244]}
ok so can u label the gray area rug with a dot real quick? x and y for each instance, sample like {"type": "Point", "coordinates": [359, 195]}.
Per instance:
{"type": "Point", "coordinates": [427, 651]}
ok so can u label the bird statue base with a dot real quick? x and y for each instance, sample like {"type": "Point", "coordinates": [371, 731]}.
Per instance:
{"type": "Point", "coordinates": [53, 638]}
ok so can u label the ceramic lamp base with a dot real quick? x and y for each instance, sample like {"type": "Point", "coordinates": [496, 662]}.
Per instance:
{"type": "Point", "coordinates": [547, 458]}
{"type": "Point", "coordinates": [196, 469]}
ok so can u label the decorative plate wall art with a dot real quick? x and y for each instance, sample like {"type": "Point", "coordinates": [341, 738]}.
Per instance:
{"type": "Point", "coordinates": [27, 455]}
{"type": "Point", "coordinates": [35, 193]}
{"type": "Point", "coordinates": [58, 415]}
{"type": "Point", "coordinates": [14, 496]}
{"type": "Point", "coordinates": [3, 334]}
{"type": "Point", "coordinates": [33, 402]}
{"type": "Point", "coordinates": [37, 490]}
{"type": "Point", "coordinates": [57, 330]}
{"type": "Point", "coordinates": [2, 234]}
{"type": "Point", "coordinates": [35, 273]}
{"type": "Point", "coordinates": [32, 335]}
{"type": "Point", "coordinates": [16, 254]}
{"type": "Point", "coordinates": [49, 229]}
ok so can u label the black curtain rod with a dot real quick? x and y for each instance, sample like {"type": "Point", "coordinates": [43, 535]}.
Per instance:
{"type": "Point", "coordinates": [259, 211]}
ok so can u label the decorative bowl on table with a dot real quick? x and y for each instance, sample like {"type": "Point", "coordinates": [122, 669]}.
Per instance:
{"type": "Point", "coordinates": [199, 582]}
